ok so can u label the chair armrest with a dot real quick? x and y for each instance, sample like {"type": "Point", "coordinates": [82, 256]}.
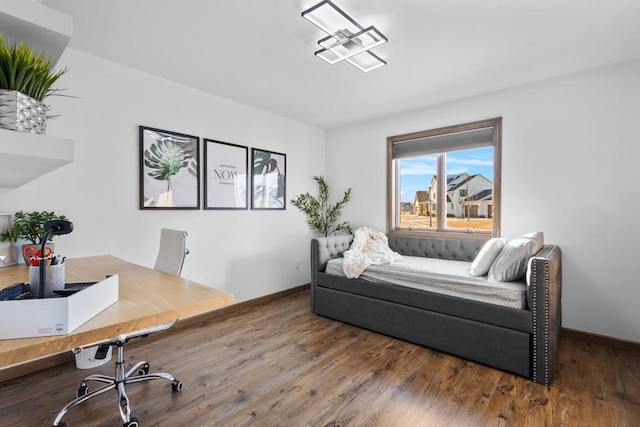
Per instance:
{"type": "Point", "coordinates": [544, 277]}
{"type": "Point", "coordinates": [324, 249]}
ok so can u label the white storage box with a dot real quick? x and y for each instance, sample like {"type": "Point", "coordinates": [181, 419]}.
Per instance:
{"type": "Point", "coordinates": [56, 316]}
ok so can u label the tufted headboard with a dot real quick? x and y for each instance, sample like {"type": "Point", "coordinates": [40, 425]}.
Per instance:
{"type": "Point", "coordinates": [330, 247]}
{"type": "Point", "coordinates": [455, 249]}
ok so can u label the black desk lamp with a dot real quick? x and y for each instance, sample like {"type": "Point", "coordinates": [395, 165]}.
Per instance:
{"type": "Point", "coordinates": [51, 228]}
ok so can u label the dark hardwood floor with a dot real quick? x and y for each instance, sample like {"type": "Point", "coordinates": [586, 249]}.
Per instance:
{"type": "Point", "coordinates": [276, 364]}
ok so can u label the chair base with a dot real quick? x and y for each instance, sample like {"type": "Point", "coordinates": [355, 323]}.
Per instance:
{"type": "Point", "coordinates": [138, 373]}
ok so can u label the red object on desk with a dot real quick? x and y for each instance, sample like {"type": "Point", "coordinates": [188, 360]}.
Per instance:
{"type": "Point", "coordinates": [33, 257]}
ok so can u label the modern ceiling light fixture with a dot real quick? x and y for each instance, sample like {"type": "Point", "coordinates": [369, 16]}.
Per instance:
{"type": "Point", "coordinates": [347, 40]}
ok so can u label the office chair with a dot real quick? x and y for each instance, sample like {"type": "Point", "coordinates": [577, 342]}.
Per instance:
{"type": "Point", "coordinates": [169, 260]}
{"type": "Point", "coordinates": [172, 251]}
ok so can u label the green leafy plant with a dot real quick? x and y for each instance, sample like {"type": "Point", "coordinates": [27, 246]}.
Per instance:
{"type": "Point", "coordinates": [29, 226]}
{"type": "Point", "coordinates": [166, 157]}
{"type": "Point", "coordinates": [321, 215]}
{"type": "Point", "coordinates": [24, 70]}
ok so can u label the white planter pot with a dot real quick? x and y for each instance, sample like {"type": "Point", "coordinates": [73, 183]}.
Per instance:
{"type": "Point", "coordinates": [22, 113]}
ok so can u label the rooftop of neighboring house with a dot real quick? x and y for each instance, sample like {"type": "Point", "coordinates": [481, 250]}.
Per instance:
{"type": "Point", "coordinates": [483, 195]}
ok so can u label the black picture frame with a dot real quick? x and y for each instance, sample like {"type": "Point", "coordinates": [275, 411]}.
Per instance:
{"type": "Point", "coordinates": [169, 169]}
{"type": "Point", "coordinates": [268, 180]}
{"type": "Point", "coordinates": [226, 175]}
{"type": "Point", "coordinates": [7, 248]}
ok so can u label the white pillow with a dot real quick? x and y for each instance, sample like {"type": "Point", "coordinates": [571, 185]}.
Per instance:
{"type": "Point", "coordinates": [486, 256]}
{"type": "Point", "coordinates": [537, 237]}
{"type": "Point", "coordinates": [511, 263]}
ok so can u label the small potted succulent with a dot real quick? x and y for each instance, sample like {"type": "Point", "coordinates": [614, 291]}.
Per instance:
{"type": "Point", "coordinates": [30, 227]}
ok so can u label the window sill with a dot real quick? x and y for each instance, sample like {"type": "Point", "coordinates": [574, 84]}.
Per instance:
{"type": "Point", "coordinates": [441, 234]}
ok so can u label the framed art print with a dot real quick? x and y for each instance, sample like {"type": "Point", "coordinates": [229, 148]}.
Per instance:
{"type": "Point", "coordinates": [268, 179]}
{"type": "Point", "coordinates": [169, 170]}
{"type": "Point", "coordinates": [225, 175]}
{"type": "Point", "coordinates": [7, 249]}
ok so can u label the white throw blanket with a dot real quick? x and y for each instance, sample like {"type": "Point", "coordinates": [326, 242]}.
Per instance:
{"type": "Point", "coordinates": [368, 247]}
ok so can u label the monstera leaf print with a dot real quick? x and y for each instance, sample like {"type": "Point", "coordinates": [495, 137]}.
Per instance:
{"type": "Point", "coordinates": [190, 151]}
{"type": "Point", "coordinates": [169, 173]}
{"type": "Point", "coordinates": [166, 157]}
{"type": "Point", "coordinates": [263, 163]}
{"type": "Point", "coordinates": [268, 195]}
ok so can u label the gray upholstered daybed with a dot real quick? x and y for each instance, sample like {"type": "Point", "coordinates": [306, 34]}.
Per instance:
{"type": "Point", "coordinates": [519, 336]}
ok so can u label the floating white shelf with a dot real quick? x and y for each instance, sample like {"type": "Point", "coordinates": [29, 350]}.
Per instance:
{"type": "Point", "coordinates": [26, 156]}
{"type": "Point", "coordinates": [33, 22]}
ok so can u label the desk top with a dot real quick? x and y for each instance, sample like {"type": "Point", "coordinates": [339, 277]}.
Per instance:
{"type": "Point", "coordinates": [146, 297]}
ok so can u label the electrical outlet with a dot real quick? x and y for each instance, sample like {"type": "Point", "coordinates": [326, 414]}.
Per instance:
{"type": "Point", "coordinates": [297, 264]}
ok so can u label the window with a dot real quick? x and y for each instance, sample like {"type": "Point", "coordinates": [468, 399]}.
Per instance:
{"type": "Point", "coordinates": [445, 180]}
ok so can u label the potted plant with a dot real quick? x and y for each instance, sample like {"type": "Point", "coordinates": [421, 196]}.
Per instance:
{"type": "Point", "coordinates": [30, 227]}
{"type": "Point", "coordinates": [321, 215]}
{"type": "Point", "coordinates": [26, 79]}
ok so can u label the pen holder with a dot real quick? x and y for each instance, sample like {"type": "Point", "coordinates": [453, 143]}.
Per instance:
{"type": "Point", "coordinates": [54, 279]}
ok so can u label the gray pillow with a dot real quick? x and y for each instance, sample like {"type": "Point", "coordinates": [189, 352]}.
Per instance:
{"type": "Point", "coordinates": [537, 237]}
{"type": "Point", "coordinates": [511, 263]}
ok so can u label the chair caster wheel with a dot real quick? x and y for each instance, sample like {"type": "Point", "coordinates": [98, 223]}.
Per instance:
{"type": "Point", "coordinates": [176, 385]}
{"type": "Point", "coordinates": [133, 422]}
{"type": "Point", "coordinates": [83, 390]}
{"type": "Point", "coordinates": [144, 369]}
{"type": "Point", "coordinates": [62, 425]}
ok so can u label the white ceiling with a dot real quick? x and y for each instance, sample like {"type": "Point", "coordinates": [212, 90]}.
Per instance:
{"type": "Point", "coordinates": [260, 52]}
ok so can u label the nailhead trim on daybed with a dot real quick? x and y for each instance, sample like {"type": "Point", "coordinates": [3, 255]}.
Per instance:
{"type": "Point", "coordinates": [534, 307]}
{"type": "Point", "coordinates": [538, 371]}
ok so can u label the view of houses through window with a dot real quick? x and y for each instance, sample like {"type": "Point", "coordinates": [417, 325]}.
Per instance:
{"type": "Point", "coordinates": [444, 180]}
{"type": "Point", "coordinates": [469, 188]}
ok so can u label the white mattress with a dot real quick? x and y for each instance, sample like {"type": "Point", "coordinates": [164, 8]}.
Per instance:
{"type": "Point", "coordinates": [442, 276]}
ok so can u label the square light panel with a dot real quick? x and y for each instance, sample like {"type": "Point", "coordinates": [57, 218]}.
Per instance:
{"type": "Point", "coordinates": [346, 39]}
{"type": "Point", "coordinates": [345, 46]}
{"type": "Point", "coordinates": [366, 61]}
{"type": "Point", "coordinates": [330, 18]}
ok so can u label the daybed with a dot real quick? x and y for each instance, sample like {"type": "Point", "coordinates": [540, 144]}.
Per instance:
{"type": "Point", "coordinates": [521, 338]}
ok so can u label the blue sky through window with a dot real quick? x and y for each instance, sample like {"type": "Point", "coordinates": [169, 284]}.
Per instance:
{"type": "Point", "coordinates": [416, 172]}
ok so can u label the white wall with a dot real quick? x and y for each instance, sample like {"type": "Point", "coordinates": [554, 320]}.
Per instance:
{"type": "Point", "coordinates": [570, 168]}
{"type": "Point", "coordinates": [248, 253]}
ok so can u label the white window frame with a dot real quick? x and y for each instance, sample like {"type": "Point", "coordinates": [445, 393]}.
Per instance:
{"type": "Point", "coordinates": [393, 183]}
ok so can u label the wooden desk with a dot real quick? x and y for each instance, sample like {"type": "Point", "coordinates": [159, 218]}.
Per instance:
{"type": "Point", "coordinates": [146, 298]}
